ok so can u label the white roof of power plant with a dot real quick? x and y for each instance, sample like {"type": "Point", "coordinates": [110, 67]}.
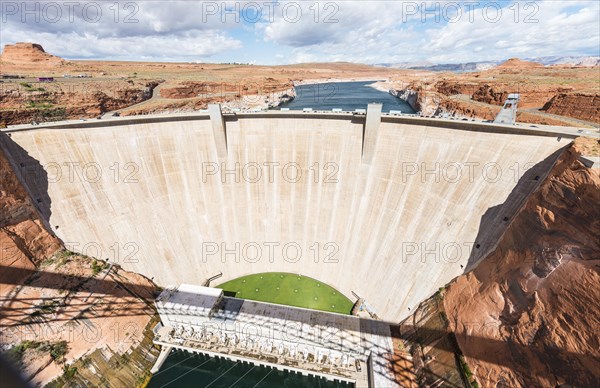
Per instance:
{"type": "Point", "coordinates": [305, 330]}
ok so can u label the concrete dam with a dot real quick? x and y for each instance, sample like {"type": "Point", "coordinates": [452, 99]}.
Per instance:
{"type": "Point", "coordinates": [390, 208]}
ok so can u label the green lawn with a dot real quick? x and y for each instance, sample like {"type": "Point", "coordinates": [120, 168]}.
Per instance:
{"type": "Point", "coordinates": [288, 289]}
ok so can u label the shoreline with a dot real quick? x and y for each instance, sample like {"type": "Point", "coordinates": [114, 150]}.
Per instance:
{"type": "Point", "coordinates": [261, 101]}
{"type": "Point", "coordinates": [382, 86]}
{"type": "Point", "coordinates": [338, 80]}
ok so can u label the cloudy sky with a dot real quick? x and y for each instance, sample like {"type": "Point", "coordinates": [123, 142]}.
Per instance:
{"type": "Point", "coordinates": [280, 32]}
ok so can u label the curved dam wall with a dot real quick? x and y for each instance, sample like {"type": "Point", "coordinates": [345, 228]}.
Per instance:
{"type": "Point", "coordinates": [392, 218]}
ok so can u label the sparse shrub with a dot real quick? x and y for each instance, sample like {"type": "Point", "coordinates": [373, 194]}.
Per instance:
{"type": "Point", "coordinates": [69, 372]}
{"type": "Point", "coordinates": [15, 353]}
{"type": "Point", "coordinates": [444, 317]}
{"type": "Point", "coordinates": [98, 266]}
{"type": "Point", "coordinates": [63, 256]}
{"type": "Point", "coordinates": [466, 371]}
{"type": "Point", "coordinates": [68, 253]}
{"type": "Point", "coordinates": [39, 105]}
{"type": "Point", "coordinates": [49, 307]}
{"type": "Point", "coordinates": [54, 114]}
{"type": "Point", "coordinates": [58, 351]}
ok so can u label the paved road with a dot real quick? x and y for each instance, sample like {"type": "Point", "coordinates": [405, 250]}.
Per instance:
{"type": "Point", "coordinates": [537, 111]}
{"type": "Point", "coordinates": [155, 96]}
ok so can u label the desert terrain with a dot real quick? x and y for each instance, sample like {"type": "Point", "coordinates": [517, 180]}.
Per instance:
{"type": "Point", "coordinates": [142, 88]}
{"type": "Point", "coordinates": [556, 95]}
{"type": "Point", "coordinates": [552, 95]}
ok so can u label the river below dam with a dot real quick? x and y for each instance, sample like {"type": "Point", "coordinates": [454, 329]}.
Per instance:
{"type": "Point", "coordinates": [347, 96]}
{"type": "Point", "coordinates": [187, 370]}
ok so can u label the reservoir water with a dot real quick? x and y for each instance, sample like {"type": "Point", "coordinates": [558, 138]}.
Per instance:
{"type": "Point", "coordinates": [186, 370]}
{"type": "Point", "coordinates": [347, 96]}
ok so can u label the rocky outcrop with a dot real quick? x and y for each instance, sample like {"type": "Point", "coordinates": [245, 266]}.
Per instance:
{"type": "Point", "coordinates": [192, 89]}
{"type": "Point", "coordinates": [98, 312]}
{"type": "Point", "coordinates": [24, 52]}
{"type": "Point", "coordinates": [411, 97]}
{"type": "Point", "coordinates": [528, 315]}
{"type": "Point", "coordinates": [450, 88]}
{"type": "Point", "coordinates": [582, 106]}
{"type": "Point", "coordinates": [23, 104]}
{"type": "Point", "coordinates": [490, 95]}
{"type": "Point", "coordinates": [530, 97]}
{"type": "Point", "coordinates": [101, 102]}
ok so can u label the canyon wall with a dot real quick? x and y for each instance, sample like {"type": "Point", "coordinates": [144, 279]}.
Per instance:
{"type": "Point", "coordinates": [581, 106]}
{"type": "Point", "coordinates": [528, 314]}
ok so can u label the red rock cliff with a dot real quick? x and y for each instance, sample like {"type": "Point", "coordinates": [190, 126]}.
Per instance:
{"type": "Point", "coordinates": [529, 314]}
{"type": "Point", "coordinates": [583, 106]}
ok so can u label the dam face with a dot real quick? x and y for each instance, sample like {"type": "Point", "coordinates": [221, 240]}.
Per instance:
{"type": "Point", "coordinates": [391, 218]}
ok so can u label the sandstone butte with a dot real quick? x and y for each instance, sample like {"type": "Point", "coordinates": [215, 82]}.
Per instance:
{"type": "Point", "coordinates": [516, 63]}
{"type": "Point", "coordinates": [528, 314]}
{"type": "Point", "coordinates": [26, 53]}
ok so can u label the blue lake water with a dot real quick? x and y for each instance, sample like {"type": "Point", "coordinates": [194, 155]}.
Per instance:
{"type": "Point", "coordinates": [347, 96]}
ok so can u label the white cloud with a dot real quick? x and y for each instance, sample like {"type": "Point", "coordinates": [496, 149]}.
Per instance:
{"type": "Point", "coordinates": [192, 46]}
{"type": "Point", "coordinates": [134, 30]}
{"type": "Point", "coordinates": [553, 33]}
{"type": "Point", "coordinates": [553, 28]}
{"type": "Point", "coordinates": [365, 31]}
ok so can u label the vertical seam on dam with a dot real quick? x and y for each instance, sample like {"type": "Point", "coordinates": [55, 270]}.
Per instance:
{"type": "Point", "coordinates": [370, 132]}
{"type": "Point", "coordinates": [219, 130]}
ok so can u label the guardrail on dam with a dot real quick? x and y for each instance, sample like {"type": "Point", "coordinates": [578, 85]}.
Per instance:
{"type": "Point", "coordinates": [391, 209]}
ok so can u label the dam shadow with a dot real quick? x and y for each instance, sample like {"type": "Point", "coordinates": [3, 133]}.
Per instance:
{"type": "Point", "coordinates": [32, 175]}
{"type": "Point", "coordinates": [496, 220]}
{"type": "Point", "coordinates": [13, 318]}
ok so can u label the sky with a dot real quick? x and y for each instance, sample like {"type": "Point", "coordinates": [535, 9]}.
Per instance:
{"type": "Point", "coordinates": [285, 31]}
